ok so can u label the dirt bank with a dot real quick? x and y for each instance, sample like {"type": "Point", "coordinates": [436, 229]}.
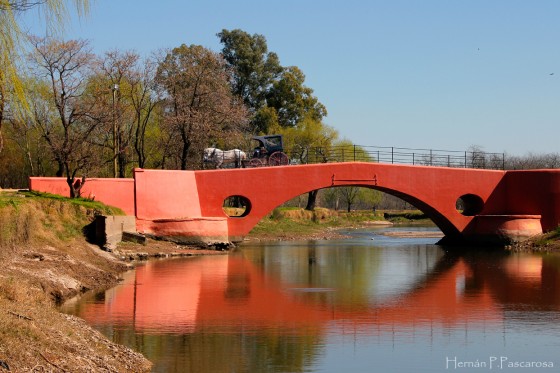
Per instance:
{"type": "Point", "coordinates": [35, 336]}
{"type": "Point", "coordinates": [46, 260]}
{"type": "Point", "coordinates": [544, 243]}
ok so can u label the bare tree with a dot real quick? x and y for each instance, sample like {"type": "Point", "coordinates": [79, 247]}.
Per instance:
{"type": "Point", "coordinates": [118, 70]}
{"type": "Point", "coordinates": [3, 99]}
{"type": "Point", "coordinates": [144, 99]}
{"type": "Point", "coordinates": [349, 196]}
{"type": "Point", "coordinates": [198, 104]}
{"type": "Point", "coordinates": [12, 41]}
{"type": "Point", "coordinates": [533, 161]}
{"type": "Point", "coordinates": [67, 119]}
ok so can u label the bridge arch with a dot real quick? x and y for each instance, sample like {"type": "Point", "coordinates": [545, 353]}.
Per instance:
{"type": "Point", "coordinates": [433, 190]}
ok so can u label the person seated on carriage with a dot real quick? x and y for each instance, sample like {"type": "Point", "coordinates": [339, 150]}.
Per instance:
{"type": "Point", "coordinates": [259, 152]}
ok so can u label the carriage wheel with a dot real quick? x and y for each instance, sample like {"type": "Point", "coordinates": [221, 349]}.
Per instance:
{"type": "Point", "coordinates": [255, 162]}
{"type": "Point", "coordinates": [278, 159]}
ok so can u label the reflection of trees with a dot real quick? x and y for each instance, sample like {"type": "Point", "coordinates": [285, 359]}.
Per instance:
{"type": "Point", "coordinates": [354, 271]}
{"type": "Point", "coordinates": [216, 352]}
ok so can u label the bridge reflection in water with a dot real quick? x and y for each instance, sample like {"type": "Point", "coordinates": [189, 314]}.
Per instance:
{"type": "Point", "coordinates": [322, 291]}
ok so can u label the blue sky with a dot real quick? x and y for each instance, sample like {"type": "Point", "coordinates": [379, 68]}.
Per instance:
{"type": "Point", "coordinates": [441, 74]}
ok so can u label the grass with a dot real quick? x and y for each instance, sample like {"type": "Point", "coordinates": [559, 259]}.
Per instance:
{"type": "Point", "coordinates": [399, 216]}
{"type": "Point", "coordinates": [88, 204]}
{"type": "Point", "coordinates": [548, 239]}
{"type": "Point", "coordinates": [28, 217]}
{"type": "Point", "coordinates": [293, 221]}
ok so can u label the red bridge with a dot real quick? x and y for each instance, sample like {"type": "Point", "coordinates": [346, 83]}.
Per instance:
{"type": "Point", "coordinates": [499, 206]}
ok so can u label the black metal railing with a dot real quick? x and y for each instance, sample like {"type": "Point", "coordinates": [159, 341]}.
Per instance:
{"type": "Point", "coordinates": [395, 155]}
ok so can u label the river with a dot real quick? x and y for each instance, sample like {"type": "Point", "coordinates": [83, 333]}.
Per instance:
{"type": "Point", "coordinates": [370, 303]}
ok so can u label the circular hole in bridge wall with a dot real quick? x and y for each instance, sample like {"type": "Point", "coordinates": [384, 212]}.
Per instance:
{"type": "Point", "coordinates": [469, 204]}
{"type": "Point", "coordinates": [236, 206]}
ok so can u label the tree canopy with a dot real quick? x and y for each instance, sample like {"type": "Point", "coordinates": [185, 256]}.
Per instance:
{"type": "Point", "coordinates": [12, 45]}
{"type": "Point", "coordinates": [272, 93]}
{"type": "Point", "coordinates": [199, 103]}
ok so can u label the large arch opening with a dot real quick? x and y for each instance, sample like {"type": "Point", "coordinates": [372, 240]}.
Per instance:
{"type": "Point", "coordinates": [367, 202]}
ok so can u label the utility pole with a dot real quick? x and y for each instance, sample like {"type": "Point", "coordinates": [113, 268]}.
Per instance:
{"type": "Point", "coordinates": [115, 89]}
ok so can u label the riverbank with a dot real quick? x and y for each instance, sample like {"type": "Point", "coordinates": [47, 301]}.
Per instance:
{"type": "Point", "coordinates": [544, 243]}
{"type": "Point", "coordinates": [46, 260]}
{"type": "Point", "coordinates": [288, 224]}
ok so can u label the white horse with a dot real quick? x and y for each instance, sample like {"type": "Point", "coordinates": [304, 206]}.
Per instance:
{"type": "Point", "coordinates": [220, 157]}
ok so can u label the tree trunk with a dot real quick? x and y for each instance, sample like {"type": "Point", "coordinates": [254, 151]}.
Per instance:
{"type": "Point", "coordinates": [60, 170]}
{"type": "Point", "coordinates": [185, 152]}
{"type": "Point", "coordinates": [75, 186]}
{"type": "Point", "coordinates": [311, 200]}
{"type": "Point", "coordinates": [122, 164]}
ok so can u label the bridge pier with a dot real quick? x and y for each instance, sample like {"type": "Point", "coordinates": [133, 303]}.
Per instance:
{"type": "Point", "coordinates": [498, 230]}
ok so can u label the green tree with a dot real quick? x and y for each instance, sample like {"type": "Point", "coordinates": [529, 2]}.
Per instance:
{"type": "Point", "coordinates": [308, 142]}
{"type": "Point", "coordinates": [273, 94]}
{"type": "Point", "coordinates": [344, 151]}
{"type": "Point", "coordinates": [351, 196]}
{"type": "Point", "coordinates": [254, 67]}
{"type": "Point", "coordinates": [292, 100]}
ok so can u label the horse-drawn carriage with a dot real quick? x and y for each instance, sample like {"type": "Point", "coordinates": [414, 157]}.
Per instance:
{"type": "Point", "coordinates": [269, 152]}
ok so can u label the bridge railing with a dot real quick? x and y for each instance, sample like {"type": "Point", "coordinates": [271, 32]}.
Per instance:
{"type": "Point", "coordinates": [395, 155]}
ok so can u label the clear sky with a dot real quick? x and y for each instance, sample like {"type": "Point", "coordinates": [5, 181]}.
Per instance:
{"type": "Point", "coordinates": [441, 74]}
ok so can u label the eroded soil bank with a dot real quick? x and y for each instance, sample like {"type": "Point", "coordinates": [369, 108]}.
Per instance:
{"type": "Point", "coordinates": [35, 336]}
{"type": "Point", "coordinates": [45, 259]}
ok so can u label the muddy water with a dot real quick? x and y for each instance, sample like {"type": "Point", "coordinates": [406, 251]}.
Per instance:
{"type": "Point", "coordinates": [372, 303]}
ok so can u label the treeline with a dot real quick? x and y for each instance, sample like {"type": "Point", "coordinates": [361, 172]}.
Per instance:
{"type": "Point", "coordinates": [76, 114]}
{"type": "Point", "coordinates": [82, 114]}
{"type": "Point", "coordinates": [478, 158]}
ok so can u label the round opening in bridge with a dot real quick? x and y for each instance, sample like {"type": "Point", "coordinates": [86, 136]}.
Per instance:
{"type": "Point", "coordinates": [236, 206]}
{"type": "Point", "coordinates": [469, 204]}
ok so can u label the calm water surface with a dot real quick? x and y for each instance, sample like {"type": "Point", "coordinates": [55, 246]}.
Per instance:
{"type": "Point", "coordinates": [371, 303]}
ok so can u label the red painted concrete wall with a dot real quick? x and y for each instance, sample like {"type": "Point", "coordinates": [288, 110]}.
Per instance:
{"type": "Point", "coordinates": [113, 192]}
{"type": "Point", "coordinates": [188, 204]}
{"type": "Point", "coordinates": [535, 192]}
{"type": "Point", "coordinates": [168, 204]}
{"type": "Point", "coordinates": [434, 190]}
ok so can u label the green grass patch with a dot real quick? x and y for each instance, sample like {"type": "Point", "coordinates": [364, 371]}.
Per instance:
{"type": "Point", "coordinates": [97, 207]}
{"type": "Point", "coordinates": [280, 226]}
{"type": "Point", "coordinates": [548, 238]}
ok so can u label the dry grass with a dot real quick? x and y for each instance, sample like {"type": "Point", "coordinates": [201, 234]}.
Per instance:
{"type": "Point", "coordinates": [41, 218]}
{"type": "Point", "coordinates": [45, 260]}
{"type": "Point", "coordinates": [301, 214]}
